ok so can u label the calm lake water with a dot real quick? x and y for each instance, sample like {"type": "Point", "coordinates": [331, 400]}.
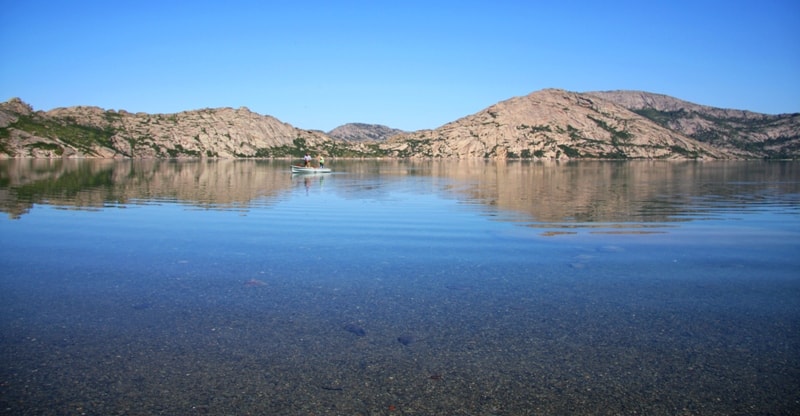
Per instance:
{"type": "Point", "coordinates": [399, 288]}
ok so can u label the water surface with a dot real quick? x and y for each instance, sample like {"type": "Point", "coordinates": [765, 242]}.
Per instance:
{"type": "Point", "coordinates": [387, 287]}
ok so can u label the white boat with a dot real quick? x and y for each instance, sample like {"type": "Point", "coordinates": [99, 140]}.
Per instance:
{"type": "Point", "coordinates": [309, 170]}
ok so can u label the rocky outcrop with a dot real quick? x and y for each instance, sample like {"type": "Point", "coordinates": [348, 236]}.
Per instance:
{"type": "Point", "coordinates": [359, 132]}
{"type": "Point", "coordinates": [11, 110]}
{"type": "Point", "coordinates": [552, 124]}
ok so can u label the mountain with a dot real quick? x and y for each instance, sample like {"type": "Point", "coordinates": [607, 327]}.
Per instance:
{"type": "Point", "coordinates": [553, 124]}
{"type": "Point", "coordinates": [360, 132]}
{"type": "Point", "coordinates": [546, 124]}
{"type": "Point", "coordinates": [94, 132]}
{"type": "Point", "coordinates": [744, 134]}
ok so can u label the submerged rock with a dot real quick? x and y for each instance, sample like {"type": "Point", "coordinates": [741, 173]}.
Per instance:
{"type": "Point", "coordinates": [406, 339]}
{"type": "Point", "coordinates": [355, 329]}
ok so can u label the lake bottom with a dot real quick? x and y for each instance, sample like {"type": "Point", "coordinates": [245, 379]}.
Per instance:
{"type": "Point", "coordinates": [589, 330]}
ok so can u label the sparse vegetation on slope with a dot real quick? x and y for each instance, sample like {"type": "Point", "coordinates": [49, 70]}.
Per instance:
{"type": "Point", "coordinates": [745, 134]}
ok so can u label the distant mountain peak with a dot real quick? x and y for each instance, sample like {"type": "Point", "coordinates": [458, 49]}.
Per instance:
{"type": "Point", "coordinates": [359, 132]}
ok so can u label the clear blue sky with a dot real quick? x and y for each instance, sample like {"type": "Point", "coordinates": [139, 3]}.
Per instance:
{"type": "Point", "coordinates": [406, 64]}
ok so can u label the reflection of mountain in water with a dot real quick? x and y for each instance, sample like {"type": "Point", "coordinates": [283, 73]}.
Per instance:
{"type": "Point", "coordinates": [550, 192]}
{"type": "Point", "coordinates": [590, 191]}
{"type": "Point", "coordinates": [87, 184]}
{"type": "Point", "coordinates": [635, 191]}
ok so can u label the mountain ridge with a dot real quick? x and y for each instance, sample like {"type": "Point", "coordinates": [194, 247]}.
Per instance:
{"type": "Point", "coordinates": [554, 124]}
{"type": "Point", "coordinates": [545, 124]}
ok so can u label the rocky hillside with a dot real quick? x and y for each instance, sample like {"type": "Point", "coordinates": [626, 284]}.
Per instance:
{"type": "Point", "coordinates": [553, 124]}
{"type": "Point", "coordinates": [360, 132]}
{"type": "Point", "coordinates": [742, 133]}
{"type": "Point", "coordinates": [94, 132]}
{"type": "Point", "coordinates": [547, 124]}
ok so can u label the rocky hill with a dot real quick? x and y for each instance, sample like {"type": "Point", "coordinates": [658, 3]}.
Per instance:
{"type": "Point", "coordinates": [547, 124]}
{"type": "Point", "coordinates": [742, 133]}
{"type": "Point", "coordinates": [553, 124]}
{"type": "Point", "coordinates": [360, 132]}
{"type": "Point", "coordinates": [94, 132]}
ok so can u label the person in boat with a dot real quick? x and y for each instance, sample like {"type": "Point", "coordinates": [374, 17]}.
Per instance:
{"type": "Point", "coordinates": [321, 162]}
{"type": "Point", "coordinates": [307, 160]}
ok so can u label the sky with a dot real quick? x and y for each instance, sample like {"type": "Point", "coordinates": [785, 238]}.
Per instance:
{"type": "Point", "coordinates": [405, 64]}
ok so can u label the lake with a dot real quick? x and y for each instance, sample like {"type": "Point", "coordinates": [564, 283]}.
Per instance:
{"type": "Point", "coordinates": [399, 288]}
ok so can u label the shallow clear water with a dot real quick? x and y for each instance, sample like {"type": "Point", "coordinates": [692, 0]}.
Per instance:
{"type": "Point", "coordinates": [386, 287]}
